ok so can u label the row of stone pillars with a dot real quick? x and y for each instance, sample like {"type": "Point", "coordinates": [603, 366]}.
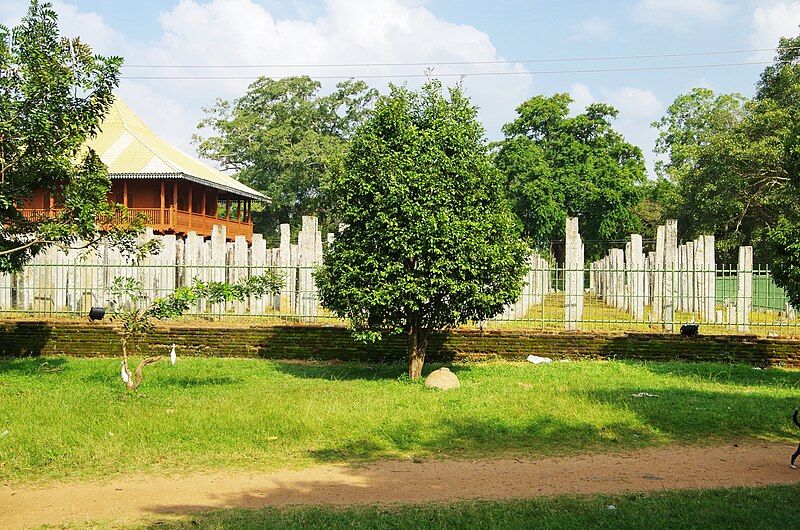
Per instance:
{"type": "Point", "coordinates": [672, 278]}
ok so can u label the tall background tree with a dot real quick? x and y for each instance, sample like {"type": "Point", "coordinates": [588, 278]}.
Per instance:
{"type": "Point", "coordinates": [429, 240]}
{"type": "Point", "coordinates": [53, 94]}
{"type": "Point", "coordinates": [558, 166]}
{"type": "Point", "coordinates": [735, 163]}
{"type": "Point", "coordinates": [286, 140]}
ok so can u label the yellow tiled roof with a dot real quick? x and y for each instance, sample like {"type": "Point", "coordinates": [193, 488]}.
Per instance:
{"type": "Point", "coordinates": [130, 149]}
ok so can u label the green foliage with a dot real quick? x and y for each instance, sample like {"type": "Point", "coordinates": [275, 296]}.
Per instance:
{"type": "Point", "coordinates": [704, 138]}
{"type": "Point", "coordinates": [53, 94]}
{"type": "Point", "coordinates": [735, 163]}
{"type": "Point", "coordinates": [558, 166]}
{"type": "Point", "coordinates": [129, 305]}
{"type": "Point", "coordinates": [286, 140]}
{"type": "Point", "coordinates": [429, 241]}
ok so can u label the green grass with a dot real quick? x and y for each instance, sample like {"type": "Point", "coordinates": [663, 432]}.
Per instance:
{"type": "Point", "coordinates": [764, 508]}
{"type": "Point", "coordinates": [69, 417]}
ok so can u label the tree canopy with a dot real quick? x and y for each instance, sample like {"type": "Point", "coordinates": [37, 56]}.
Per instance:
{"type": "Point", "coordinates": [53, 94]}
{"type": "Point", "coordinates": [429, 241]}
{"type": "Point", "coordinates": [286, 140]}
{"type": "Point", "coordinates": [558, 166]}
{"type": "Point", "coordinates": [734, 162]}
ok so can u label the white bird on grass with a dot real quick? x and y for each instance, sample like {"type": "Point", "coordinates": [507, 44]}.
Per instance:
{"type": "Point", "coordinates": [124, 373]}
{"type": "Point", "coordinates": [172, 356]}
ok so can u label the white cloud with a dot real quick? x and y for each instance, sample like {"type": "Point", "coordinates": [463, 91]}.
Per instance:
{"type": "Point", "coordinates": [582, 97]}
{"type": "Point", "coordinates": [594, 28]}
{"type": "Point", "coordinates": [773, 22]}
{"type": "Point", "coordinates": [637, 108]}
{"type": "Point", "coordinates": [237, 32]}
{"type": "Point", "coordinates": [71, 22]}
{"type": "Point", "coordinates": [634, 103]}
{"type": "Point", "coordinates": [680, 15]}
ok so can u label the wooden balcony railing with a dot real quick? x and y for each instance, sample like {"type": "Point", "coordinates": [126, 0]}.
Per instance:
{"type": "Point", "coordinates": [168, 220]}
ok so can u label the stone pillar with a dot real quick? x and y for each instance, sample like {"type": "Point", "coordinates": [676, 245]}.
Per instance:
{"type": "Point", "coordinates": [309, 245]}
{"type": "Point", "coordinates": [658, 275]}
{"type": "Point", "coordinates": [618, 274]}
{"type": "Point", "coordinates": [286, 270]}
{"type": "Point", "coordinates": [670, 277]}
{"type": "Point", "coordinates": [744, 297]}
{"type": "Point", "coordinates": [690, 277]}
{"type": "Point", "coordinates": [710, 279]}
{"type": "Point", "coordinates": [573, 276]}
{"type": "Point", "coordinates": [240, 270]}
{"type": "Point", "coordinates": [637, 279]}
{"type": "Point", "coordinates": [218, 265]}
{"type": "Point", "coordinates": [699, 277]}
{"type": "Point", "coordinates": [258, 262]}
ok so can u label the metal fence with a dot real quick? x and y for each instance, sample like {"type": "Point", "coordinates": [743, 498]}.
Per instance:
{"type": "Point", "coordinates": [724, 300]}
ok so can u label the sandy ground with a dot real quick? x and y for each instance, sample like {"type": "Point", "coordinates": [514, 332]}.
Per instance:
{"type": "Point", "coordinates": [150, 498]}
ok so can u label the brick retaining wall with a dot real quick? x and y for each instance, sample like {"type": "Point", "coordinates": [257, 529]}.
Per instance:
{"type": "Point", "coordinates": [317, 342]}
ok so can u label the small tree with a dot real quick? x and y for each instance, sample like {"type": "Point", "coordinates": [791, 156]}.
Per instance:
{"type": "Point", "coordinates": [54, 92]}
{"type": "Point", "coordinates": [129, 306]}
{"type": "Point", "coordinates": [429, 241]}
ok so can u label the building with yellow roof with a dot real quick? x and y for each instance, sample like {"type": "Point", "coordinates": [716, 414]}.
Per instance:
{"type": "Point", "coordinates": [176, 192]}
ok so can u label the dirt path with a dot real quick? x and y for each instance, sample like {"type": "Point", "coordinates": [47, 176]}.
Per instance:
{"type": "Point", "coordinates": [663, 468]}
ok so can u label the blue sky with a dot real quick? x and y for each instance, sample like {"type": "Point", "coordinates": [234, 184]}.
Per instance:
{"type": "Point", "coordinates": [236, 32]}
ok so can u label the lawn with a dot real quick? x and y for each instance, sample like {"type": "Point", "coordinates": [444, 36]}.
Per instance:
{"type": "Point", "coordinates": [66, 418]}
{"type": "Point", "coordinates": [765, 508]}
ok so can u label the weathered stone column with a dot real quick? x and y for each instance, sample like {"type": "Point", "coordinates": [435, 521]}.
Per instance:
{"type": "Point", "coordinates": [744, 298]}
{"type": "Point", "coordinates": [658, 275]}
{"type": "Point", "coordinates": [700, 277]}
{"type": "Point", "coordinates": [670, 277]}
{"type": "Point", "coordinates": [690, 277]}
{"type": "Point", "coordinates": [258, 263]}
{"type": "Point", "coordinates": [573, 276]}
{"type": "Point", "coordinates": [637, 279]}
{"type": "Point", "coordinates": [710, 279]}
{"type": "Point", "coordinates": [618, 274]}
{"type": "Point", "coordinates": [286, 269]}
{"type": "Point", "coordinates": [218, 263]}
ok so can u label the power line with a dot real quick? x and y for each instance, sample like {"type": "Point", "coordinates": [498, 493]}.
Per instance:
{"type": "Point", "coordinates": [460, 63]}
{"type": "Point", "coordinates": [456, 74]}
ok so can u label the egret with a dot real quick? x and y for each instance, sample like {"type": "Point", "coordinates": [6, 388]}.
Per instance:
{"type": "Point", "coordinates": [172, 356]}
{"type": "Point", "coordinates": [124, 372]}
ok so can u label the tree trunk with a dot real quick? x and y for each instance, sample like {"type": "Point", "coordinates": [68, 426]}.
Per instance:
{"type": "Point", "coordinates": [417, 343]}
{"type": "Point", "coordinates": [139, 375]}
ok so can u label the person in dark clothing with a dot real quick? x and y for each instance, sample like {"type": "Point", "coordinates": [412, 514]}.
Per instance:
{"type": "Point", "coordinates": [796, 453]}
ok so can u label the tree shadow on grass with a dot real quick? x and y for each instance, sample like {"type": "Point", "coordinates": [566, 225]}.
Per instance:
{"type": "Point", "coordinates": [771, 507]}
{"type": "Point", "coordinates": [32, 365]}
{"type": "Point", "coordinates": [738, 374]}
{"type": "Point", "coordinates": [164, 380]}
{"type": "Point", "coordinates": [676, 416]}
{"type": "Point", "coordinates": [691, 416]}
{"type": "Point", "coordinates": [468, 436]}
{"type": "Point", "coordinates": [335, 371]}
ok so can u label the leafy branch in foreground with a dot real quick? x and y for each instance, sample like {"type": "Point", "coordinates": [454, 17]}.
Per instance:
{"type": "Point", "coordinates": [54, 93]}
{"type": "Point", "coordinates": [129, 306]}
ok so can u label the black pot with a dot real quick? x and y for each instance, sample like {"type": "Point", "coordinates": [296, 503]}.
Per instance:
{"type": "Point", "coordinates": [690, 330]}
{"type": "Point", "coordinates": [96, 313]}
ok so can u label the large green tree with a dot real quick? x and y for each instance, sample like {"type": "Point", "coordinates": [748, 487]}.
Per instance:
{"type": "Point", "coordinates": [286, 140]}
{"type": "Point", "coordinates": [429, 241]}
{"type": "Point", "coordinates": [702, 139]}
{"type": "Point", "coordinates": [557, 165]}
{"type": "Point", "coordinates": [735, 161]}
{"type": "Point", "coordinates": [53, 94]}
